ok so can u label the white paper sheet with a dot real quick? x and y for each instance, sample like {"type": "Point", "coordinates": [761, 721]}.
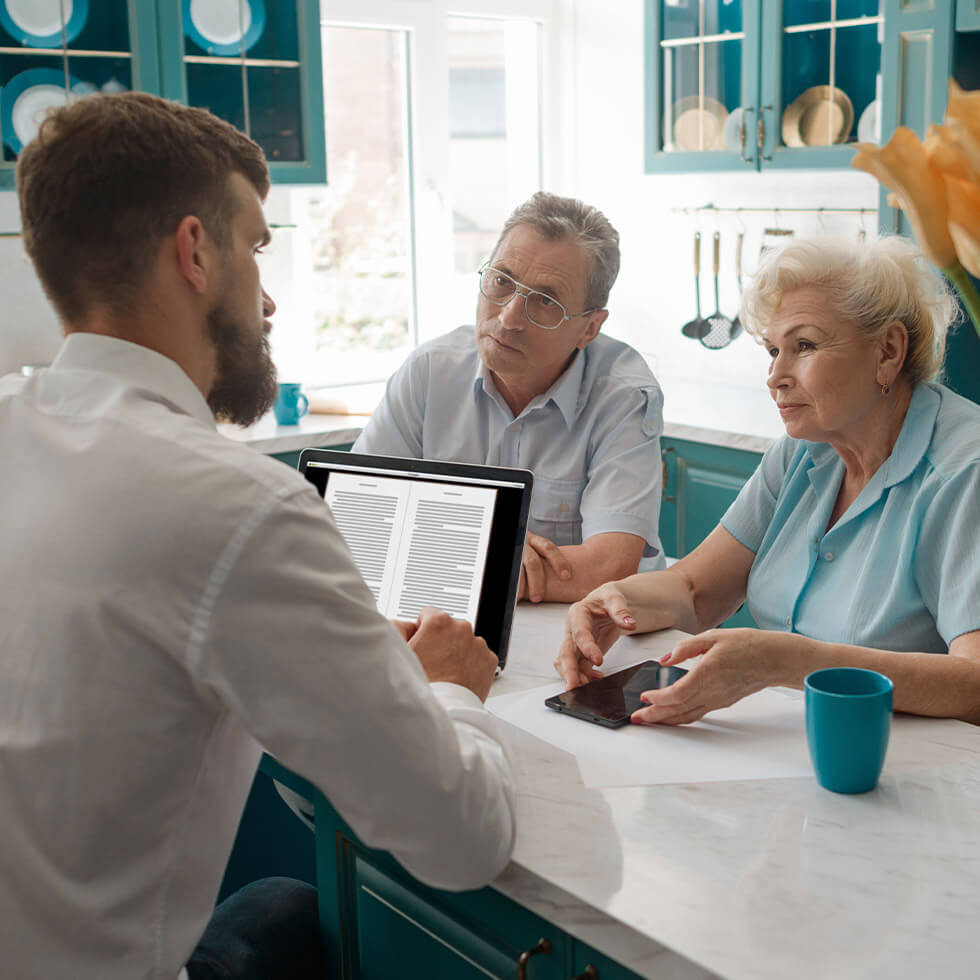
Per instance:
{"type": "Point", "coordinates": [761, 737]}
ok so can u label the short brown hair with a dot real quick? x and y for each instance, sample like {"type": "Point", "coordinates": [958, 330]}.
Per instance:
{"type": "Point", "coordinates": [108, 178]}
{"type": "Point", "coordinates": [555, 218]}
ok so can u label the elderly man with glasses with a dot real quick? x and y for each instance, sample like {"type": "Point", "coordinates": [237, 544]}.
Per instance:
{"type": "Point", "coordinates": [535, 385]}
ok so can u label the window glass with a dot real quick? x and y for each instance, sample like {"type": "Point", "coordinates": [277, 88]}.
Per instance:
{"type": "Point", "coordinates": [361, 289]}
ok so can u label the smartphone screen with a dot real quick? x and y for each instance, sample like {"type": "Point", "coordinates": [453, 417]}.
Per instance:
{"type": "Point", "coordinates": [611, 700]}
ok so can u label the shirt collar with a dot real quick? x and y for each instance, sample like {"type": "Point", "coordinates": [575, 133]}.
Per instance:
{"type": "Point", "coordinates": [910, 446]}
{"type": "Point", "coordinates": [564, 392]}
{"type": "Point", "coordinates": [136, 366]}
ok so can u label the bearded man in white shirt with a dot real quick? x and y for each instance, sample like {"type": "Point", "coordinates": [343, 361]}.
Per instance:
{"type": "Point", "coordinates": [172, 601]}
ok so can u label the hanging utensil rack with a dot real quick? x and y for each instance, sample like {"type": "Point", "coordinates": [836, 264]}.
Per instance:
{"type": "Point", "coordinates": [713, 209]}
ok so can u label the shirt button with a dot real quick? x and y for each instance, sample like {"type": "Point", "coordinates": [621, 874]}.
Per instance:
{"type": "Point", "coordinates": [829, 556]}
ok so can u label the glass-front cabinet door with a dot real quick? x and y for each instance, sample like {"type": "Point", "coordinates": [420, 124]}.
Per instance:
{"type": "Point", "coordinates": [701, 84]}
{"type": "Point", "coordinates": [821, 82]}
{"type": "Point", "coordinates": [255, 63]}
{"type": "Point", "coordinates": [761, 83]}
{"type": "Point", "coordinates": [54, 51]}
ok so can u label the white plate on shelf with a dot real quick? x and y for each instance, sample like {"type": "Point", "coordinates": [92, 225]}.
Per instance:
{"type": "Point", "coordinates": [26, 99]}
{"type": "Point", "coordinates": [224, 27]}
{"type": "Point", "coordinates": [869, 125]}
{"type": "Point", "coordinates": [696, 118]}
{"type": "Point", "coordinates": [730, 133]}
{"type": "Point", "coordinates": [38, 22]}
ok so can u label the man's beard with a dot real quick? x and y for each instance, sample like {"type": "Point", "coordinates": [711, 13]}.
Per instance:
{"type": "Point", "coordinates": [245, 387]}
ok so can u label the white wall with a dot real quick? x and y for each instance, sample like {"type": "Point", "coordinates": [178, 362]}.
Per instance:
{"type": "Point", "coordinates": [29, 331]}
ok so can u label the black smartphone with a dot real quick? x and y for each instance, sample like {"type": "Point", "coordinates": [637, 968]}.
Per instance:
{"type": "Point", "coordinates": [611, 700]}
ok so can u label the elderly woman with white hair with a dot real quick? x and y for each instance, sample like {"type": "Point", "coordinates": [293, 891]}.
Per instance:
{"type": "Point", "coordinates": [855, 542]}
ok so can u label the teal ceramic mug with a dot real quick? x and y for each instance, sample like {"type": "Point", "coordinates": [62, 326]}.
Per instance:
{"type": "Point", "coordinates": [848, 720]}
{"type": "Point", "coordinates": [291, 404]}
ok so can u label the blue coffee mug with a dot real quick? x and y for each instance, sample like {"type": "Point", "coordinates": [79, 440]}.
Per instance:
{"type": "Point", "coordinates": [848, 720]}
{"type": "Point", "coordinates": [291, 404]}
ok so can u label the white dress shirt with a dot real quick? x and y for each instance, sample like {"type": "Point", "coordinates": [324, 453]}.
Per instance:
{"type": "Point", "coordinates": [171, 603]}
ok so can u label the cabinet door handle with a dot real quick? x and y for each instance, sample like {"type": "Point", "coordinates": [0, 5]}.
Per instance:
{"type": "Point", "coordinates": [761, 131]}
{"type": "Point", "coordinates": [743, 129]}
{"type": "Point", "coordinates": [543, 946]}
{"type": "Point", "coordinates": [589, 973]}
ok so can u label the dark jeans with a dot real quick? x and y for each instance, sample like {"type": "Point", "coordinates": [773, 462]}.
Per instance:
{"type": "Point", "coordinates": [267, 930]}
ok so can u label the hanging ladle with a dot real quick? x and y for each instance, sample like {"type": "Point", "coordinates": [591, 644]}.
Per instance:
{"type": "Point", "coordinates": [695, 328]}
{"type": "Point", "coordinates": [719, 332]}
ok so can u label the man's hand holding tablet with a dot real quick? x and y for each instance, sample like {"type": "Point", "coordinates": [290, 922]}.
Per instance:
{"type": "Point", "coordinates": [448, 651]}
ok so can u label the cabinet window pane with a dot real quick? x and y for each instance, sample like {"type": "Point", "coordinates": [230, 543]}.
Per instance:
{"type": "Point", "coordinates": [494, 143]}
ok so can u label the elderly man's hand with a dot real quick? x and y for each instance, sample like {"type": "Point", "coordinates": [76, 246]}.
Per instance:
{"type": "Point", "coordinates": [540, 554]}
{"type": "Point", "coordinates": [592, 626]}
{"type": "Point", "coordinates": [737, 662]}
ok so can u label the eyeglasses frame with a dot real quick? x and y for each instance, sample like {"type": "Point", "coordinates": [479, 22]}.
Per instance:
{"type": "Point", "coordinates": [520, 289]}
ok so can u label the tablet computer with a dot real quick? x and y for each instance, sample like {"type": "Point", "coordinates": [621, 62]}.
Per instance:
{"type": "Point", "coordinates": [430, 533]}
{"type": "Point", "coordinates": [611, 700]}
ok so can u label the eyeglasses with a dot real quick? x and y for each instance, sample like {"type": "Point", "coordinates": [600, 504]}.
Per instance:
{"type": "Point", "coordinates": [541, 309]}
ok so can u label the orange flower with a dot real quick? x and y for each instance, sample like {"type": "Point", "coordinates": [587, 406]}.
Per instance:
{"type": "Point", "coordinates": [964, 221]}
{"type": "Point", "coordinates": [903, 166]}
{"type": "Point", "coordinates": [951, 150]}
{"type": "Point", "coordinates": [964, 107]}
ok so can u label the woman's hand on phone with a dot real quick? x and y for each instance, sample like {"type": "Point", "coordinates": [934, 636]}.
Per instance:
{"type": "Point", "coordinates": [591, 627]}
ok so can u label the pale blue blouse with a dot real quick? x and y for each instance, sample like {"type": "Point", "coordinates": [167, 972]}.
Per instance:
{"type": "Point", "coordinates": [592, 439]}
{"type": "Point", "coordinates": [900, 570]}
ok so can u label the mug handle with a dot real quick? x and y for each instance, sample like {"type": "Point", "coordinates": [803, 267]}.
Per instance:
{"type": "Point", "coordinates": [306, 404]}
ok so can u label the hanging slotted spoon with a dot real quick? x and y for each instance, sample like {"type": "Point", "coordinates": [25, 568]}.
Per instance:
{"type": "Point", "coordinates": [695, 328]}
{"type": "Point", "coordinates": [719, 332]}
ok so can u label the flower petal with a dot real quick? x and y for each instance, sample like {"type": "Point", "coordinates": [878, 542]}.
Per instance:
{"type": "Point", "coordinates": [964, 222]}
{"type": "Point", "coordinates": [903, 166]}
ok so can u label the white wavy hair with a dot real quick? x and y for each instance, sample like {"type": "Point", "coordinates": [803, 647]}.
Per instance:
{"type": "Point", "coordinates": [871, 283]}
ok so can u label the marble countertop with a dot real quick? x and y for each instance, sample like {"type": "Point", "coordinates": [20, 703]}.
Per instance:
{"type": "Point", "coordinates": [751, 879]}
{"type": "Point", "coordinates": [312, 431]}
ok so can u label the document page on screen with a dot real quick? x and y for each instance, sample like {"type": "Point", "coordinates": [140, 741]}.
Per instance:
{"type": "Point", "coordinates": [417, 543]}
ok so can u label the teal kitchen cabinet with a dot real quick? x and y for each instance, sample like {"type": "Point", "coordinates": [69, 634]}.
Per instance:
{"type": "Point", "coordinates": [768, 84]}
{"type": "Point", "coordinates": [269, 83]}
{"type": "Point", "coordinates": [379, 922]}
{"type": "Point", "coordinates": [968, 15]}
{"type": "Point", "coordinates": [700, 482]}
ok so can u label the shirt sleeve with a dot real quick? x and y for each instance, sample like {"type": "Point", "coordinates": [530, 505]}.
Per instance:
{"type": "Point", "coordinates": [946, 566]}
{"type": "Point", "coordinates": [395, 427]}
{"type": "Point", "coordinates": [291, 642]}
{"type": "Point", "coordinates": [750, 513]}
{"type": "Point", "coordinates": [624, 483]}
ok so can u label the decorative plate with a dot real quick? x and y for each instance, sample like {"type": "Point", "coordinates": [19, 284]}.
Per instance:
{"type": "Point", "coordinates": [822, 115]}
{"type": "Point", "coordinates": [224, 27]}
{"type": "Point", "coordinates": [26, 98]}
{"type": "Point", "coordinates": [731, 131]}
{"type": "Point", "coordinates": [37, 23]}
{"type": "Point", "coordinates": [695, 116]}
{"type": "Point", "coordinates": [869, 125]}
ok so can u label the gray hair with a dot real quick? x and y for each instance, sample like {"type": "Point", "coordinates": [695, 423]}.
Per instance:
{"type": "Point", "coordinates": [554, 218]}
{"type": "Point", "coordinates": [871, 284]}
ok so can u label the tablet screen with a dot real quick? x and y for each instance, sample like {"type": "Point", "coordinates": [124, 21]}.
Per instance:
{"type": "Point", "coordinates": [612, 699]}
{"type": "Point", "coordinates": [426, 533]}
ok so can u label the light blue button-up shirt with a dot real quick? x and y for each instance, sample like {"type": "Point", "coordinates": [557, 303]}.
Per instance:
{"type": "Point", "coordinates": [900, 568]}
{"type": "Point", "coordinates": [592, 439]}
